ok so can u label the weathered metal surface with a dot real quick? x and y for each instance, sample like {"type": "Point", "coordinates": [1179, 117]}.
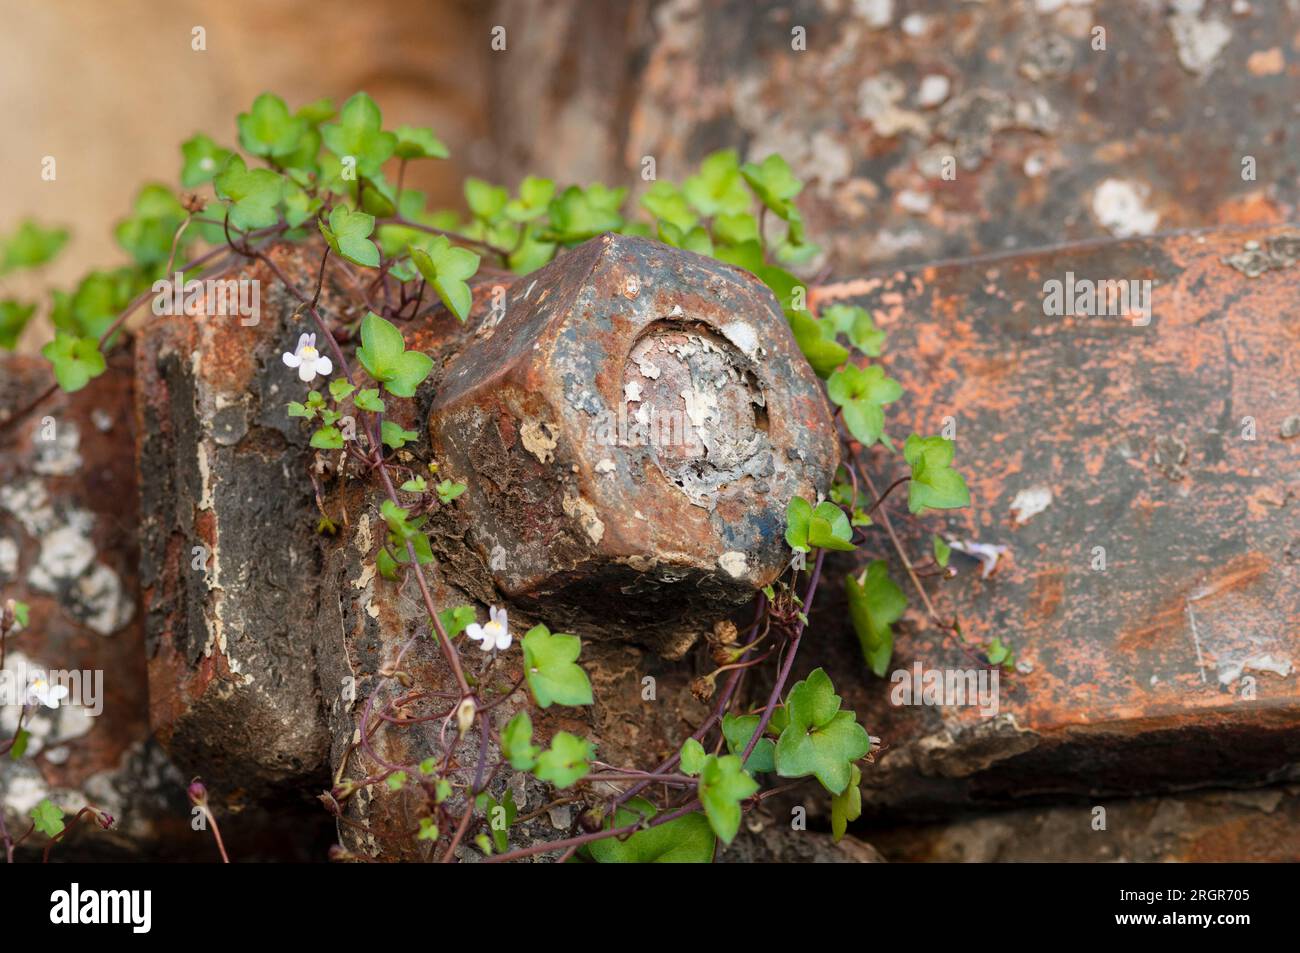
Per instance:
{"type": "Point", "coordinates": [631, 425]}
{"type": "Point", "coordinates": [1185, 118]}
{"type": "Point", "coordinates": [1260, 826]}
{"type": "Point", "coordinates": [229, 559]}
{"type": "Point", "coordinates": [367, 624]}
{"type": "Point", "coordinates": [67, 548]}
{"type": "Point", "coordinates": [1158, 447]}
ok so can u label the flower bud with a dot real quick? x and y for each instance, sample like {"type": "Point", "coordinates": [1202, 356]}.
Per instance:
{"type": "Point", "coordinates": [465, 714]}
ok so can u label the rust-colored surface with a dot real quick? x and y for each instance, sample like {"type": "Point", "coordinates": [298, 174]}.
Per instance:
{"type": "Point", "coordinates": [1161, 443]}
{"type": "Point", "coordinates": [1206, 827]}
{"type": "Point", "coordinates": [364, 624]}
{"type": "Point", "coordinates": [68, 512]}
{"type": "Point", "coordinates": [929, 129]}
{"type": "Point", "coordinates": [631, 426]}
{"type": "Point", "coordinates": [229, 558]}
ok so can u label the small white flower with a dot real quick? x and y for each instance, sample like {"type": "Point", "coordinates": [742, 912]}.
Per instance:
{"type": "Point", "coordinates": [494, 635]}
{"type": "Point", "coordinates": [307, 359]}
{"type": "Point", "coordinates": [40, 690]}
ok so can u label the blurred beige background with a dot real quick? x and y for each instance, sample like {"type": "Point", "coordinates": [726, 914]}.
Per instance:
{"type": "Point", "coordinates": [111, 88]}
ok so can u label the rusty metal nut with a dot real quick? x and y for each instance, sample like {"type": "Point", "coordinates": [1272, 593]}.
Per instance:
{"type": "Point", "coordinates": [631, 424]}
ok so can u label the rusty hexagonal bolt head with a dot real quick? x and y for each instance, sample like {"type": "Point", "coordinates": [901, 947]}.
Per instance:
{"type": "Point", "coordinates": [631, 425]}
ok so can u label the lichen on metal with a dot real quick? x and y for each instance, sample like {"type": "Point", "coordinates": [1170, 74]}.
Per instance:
{"type": "Point", "coordinates": [633, 424]}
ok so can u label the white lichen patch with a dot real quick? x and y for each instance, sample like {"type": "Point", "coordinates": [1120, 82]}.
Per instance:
{"type": "Point", "coordinates": [605, 466]}
{"type": "Point", "coordinates": [735, 564]}
{"type": "Point", "coordinates": [878, 103]}
{"type": "Point", "coordinates": [1199, 42]}
{"type": "Point", "coordinates": [58, 454]}
{"type": "Point", "coordinates": [8, 558]}
{"type": "Point", "coordinates": [647, 367]}
{"type": "Point", "coordinates": [1120, 207]}
{"type": "Point", "coordinates": [100, 600]}
{"type": "Point", "coordinates": [1029, 503]}
{"type": "Point", "coordinates": [579, 508]}
{"type": "Point", "coordinates": [205, 478]}
{"type": "Point", "coordinates": [744, 336]}
{"type": "Point", "coordinates": [66, 552]}
{"type": "Point", "coordinates": [539, 439]}
{"type": "Point", "coordinates": [1231, 669]}
{"type": "Point", "coordinates": [28, 502]}
{"type": "Point", "coordinates": [23, 788]}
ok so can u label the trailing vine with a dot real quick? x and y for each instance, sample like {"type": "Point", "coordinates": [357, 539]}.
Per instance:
{"type": "Point", "coordinates": [318, 173]}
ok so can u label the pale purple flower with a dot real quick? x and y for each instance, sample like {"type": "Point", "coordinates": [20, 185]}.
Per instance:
{"type": "Point", "coordinates": [307, 359]}
{"type": "Point", "coordinates": [494, 635]}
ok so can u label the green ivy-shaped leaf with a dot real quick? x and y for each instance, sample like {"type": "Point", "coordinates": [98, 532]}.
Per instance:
{"type": "Point", "coordinates": [875, 604]}
{"type": "Point", "coordinates": [448, 491]}
{"type": "Point", "coordinates": [855, 323]}
{"type": "Point", "coordinates": [322, 110]}
{"type": "Point", "coordinates": [934, 483]}
{"type": "Point", "coordinates": [773, 183]}
{"type": "Point", "coordinates": [368, 399]}
{"type": "Point", "coordinates": [396, 436]}
{"type": "Point", "coordinates": [14, 316]}
{"type": "Point", "coordinates": [447, 268]}
{"type": "Point", "coordinates": [268, 129]}
{"type": "Point", "coordinates": [825, 527]}
{"type": "Point", "coordinates": [327, 438]}
{"type": "Point", "coordinates": [550, 666]}
{"type": "Point", "coordinates": [692, 757]}
{"type": "Point", "coordinates": [535, 195]}
{"type": "Point", "coordinates": [348, 234]}
{"type": "Point", "coordinates": [517, 743]}
{"type": "Point", "coordinates": [485, 200]}
{"type": "Point", "coordinates": [696, 240]}
{"type": "Point", "coordinates": [667, 203]}
{"type": "Point", "coordinates": [77, 361]}
{"type": "Point", "coordinates": [383, 354]}
{"type": "Point", "coordinates": [579, 214]}
{"type": "Point", "coordinates": [359, 134]}
{"type": "Point", "coordinates": [723, 785]}
{"type": "Point", "coordinates": [999, 653]}
{"type": "Point", "coordinates": [820, 739]}
{"type": "Point", "coordinates": [718, 187]}
{"type": "Point", "coordinates": [419, 142]}
{"type": "Point", "coordinates": [942, 551]}
{"type": "Point", "coordinates": [861, 394]}
{"type": "Point", "coordinates": [684, 840]}
{"type": "Point", "coordinates": [736, 228]}
{"type": "Point", "coordinates": [738, 729]}
{"type": "Point", "coordinates": [816, 339]}
{"type": "Point", "coordinates": [47, 817]}
{"type": "Point", "coordinates": [386, 564]}
{"type": "Point", "coordinates": [567, 761]}
{"type": "Point", "coordinates": [31, 246]}
{"type": "Point", "coordinates": [847, 805]}
{"type": "Point", "coordinates": [201, 160]}
{"type": "Point", "coordinates": [456, 620]}
{"type": "Point", "coordinates": [147, 235]}
{"type": "Point", "coordinates": [252, 193]}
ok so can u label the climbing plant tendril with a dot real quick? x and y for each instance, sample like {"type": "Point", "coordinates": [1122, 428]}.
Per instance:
{"type": "Point", "coordinates": [333, 178]}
